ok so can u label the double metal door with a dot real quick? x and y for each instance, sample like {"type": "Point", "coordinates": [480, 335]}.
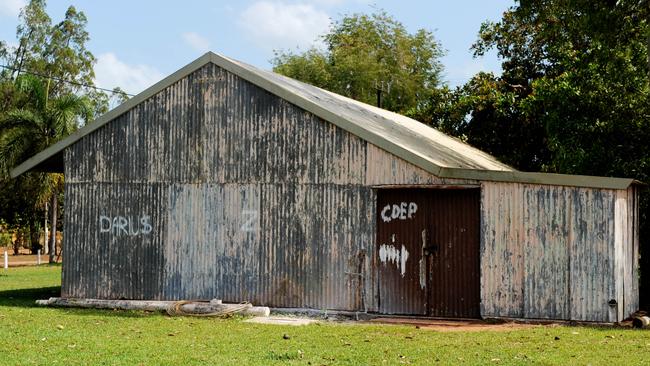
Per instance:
{"type": "Point", "coordinates": [428, 252]}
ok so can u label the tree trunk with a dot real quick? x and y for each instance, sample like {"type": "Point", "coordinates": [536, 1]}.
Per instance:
{"type": "Point", "coordinates": [46, 236]}
{"type": "Point", "coordinates": [23, 45]}
{"type": "Point", "coordinates": [53, 231]}
{"type": "Point", "coordinates": [648, 46]}
{"type": "Point", "coordinates": [33, 237]}
{"type": "Point", "coordinates": [19, 242]}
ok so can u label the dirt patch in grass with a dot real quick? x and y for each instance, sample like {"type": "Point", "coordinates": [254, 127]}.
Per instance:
{"type": "Point", "coordinates": [455, 325]}
{"type": "Point", "coordinates": [28, 260]}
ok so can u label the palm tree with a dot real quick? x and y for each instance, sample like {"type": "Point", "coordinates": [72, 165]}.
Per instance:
{"type": "Point", "coordinates": [35, 124]}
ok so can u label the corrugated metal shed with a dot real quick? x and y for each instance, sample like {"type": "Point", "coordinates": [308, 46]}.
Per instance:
{"type": "Point", "coordinates": [227, 181]}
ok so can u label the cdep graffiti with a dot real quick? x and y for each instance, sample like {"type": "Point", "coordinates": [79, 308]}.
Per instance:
{"type": "Point", "coordinates": [125, 225]}
{"type": "Point", "coordinates": [402, 211]}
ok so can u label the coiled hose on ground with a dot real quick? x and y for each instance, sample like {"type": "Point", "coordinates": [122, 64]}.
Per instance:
{"type": "Point", "coordinates": [176, 309]}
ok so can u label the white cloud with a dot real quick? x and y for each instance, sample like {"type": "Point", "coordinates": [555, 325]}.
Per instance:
{"type": "Point", "coordinates": [11, 8]}
{"type": "Point", "coordinates": [336, 2]}
{"type": "Point", "coordinates": [196, 41]}
{"type": "Point", "coordinates": [111, 72]}
{"type": "Point", "coordinates": [329, 2]}
{"type": "Point", "coordinates": [276, 25]}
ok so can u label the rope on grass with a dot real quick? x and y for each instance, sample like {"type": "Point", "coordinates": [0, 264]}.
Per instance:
{"type": "Point", "coordinates": [176, 309]}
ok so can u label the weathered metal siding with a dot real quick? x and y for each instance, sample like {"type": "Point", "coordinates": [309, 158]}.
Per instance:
{"type": "Point", "coordinates": [502, 251]}
{"type": "Point", "coordinates": [592, 266]}
{"type": "Point", "coordinates": [157, 141]}
{"type": "Point", "coordinates": [103, 260]}
{"type": "Point", "coordinates": [279, 253]}
{"type": "Point", "coordinates": [627, 216]}
{"type": "Point", "coordinates": [555, 252]}
{"type": "Point", "coordinates": [255, 200]}
{"type": "Point", "coordinates": [200, 232]}
{"type": "Point", "coordinates": [546, 219]}
{"type": "Point", "coordinates": [633, 295]}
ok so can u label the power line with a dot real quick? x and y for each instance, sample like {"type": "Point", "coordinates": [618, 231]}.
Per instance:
{"type": "Point", "coordinates": [64, 81]}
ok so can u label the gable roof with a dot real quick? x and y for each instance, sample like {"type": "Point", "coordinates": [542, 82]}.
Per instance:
{"type": "Point", "coordinates": [415, 142]}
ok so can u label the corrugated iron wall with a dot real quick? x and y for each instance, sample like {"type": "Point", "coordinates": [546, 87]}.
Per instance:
{"type": "Point", "coordinates": [112, 244]}
{"type": "Point", "coordinates": [249, 198]}
{"type": "Point", "coordinates": [627, 244]}
{"type": "Point", "coordinates": [502, 250]}
{"type": "Point", "coordinates": [557, 252]}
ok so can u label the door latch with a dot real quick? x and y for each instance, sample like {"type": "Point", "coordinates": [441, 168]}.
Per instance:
{"type": "Point", "coordinates": [430, 250]}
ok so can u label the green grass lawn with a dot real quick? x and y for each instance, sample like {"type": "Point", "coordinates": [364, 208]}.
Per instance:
{"type": "Point", "coordinates": [36, 335]}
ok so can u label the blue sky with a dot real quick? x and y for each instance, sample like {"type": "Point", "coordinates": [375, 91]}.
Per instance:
{"type": "Point", "coordinates": [139, 42]}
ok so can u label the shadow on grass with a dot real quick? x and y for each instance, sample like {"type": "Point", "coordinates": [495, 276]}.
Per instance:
{"type": "Point", "coordinates": [26, 297]}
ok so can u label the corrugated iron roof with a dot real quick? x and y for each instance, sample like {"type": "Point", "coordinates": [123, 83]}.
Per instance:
{"type": "Point", "coordinates": [423, 146]}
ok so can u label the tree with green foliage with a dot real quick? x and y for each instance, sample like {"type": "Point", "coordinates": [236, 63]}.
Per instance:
{"type": "Point", "coordinates": [574, 96]}
{"type": "Point", "coordinates": [485, 113]}
{"type": "Point", "coordinates": [56, 51]}
{"type": "Point", "coordinates": [582, 68]}
{"type": "Point", "coordinates": [22, 208]}
{"type": "Point", "coordinates": [365, 54]}
{"type": "Point", "coordinates": [46, 92]}
{"type": "Point", "coordinates": [29, 129]}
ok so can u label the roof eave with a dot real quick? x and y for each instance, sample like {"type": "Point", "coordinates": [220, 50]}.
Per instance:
{"type": "Point", "coordinates": [586, 181]}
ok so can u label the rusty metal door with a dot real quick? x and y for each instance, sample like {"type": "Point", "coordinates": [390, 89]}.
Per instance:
{"type": "Point", "coordinates": [428, 252]}
{"type": "Point", "coordinates": [453, 253]}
